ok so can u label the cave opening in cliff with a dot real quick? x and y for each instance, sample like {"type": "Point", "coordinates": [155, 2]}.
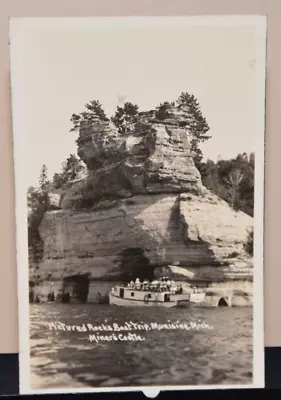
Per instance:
{"type": "Point", "coordinates": [77, 287]}
{"type": "Point", "coordinates": [222, 302]}
{"type": "Point", "coordinates": [134, 264]}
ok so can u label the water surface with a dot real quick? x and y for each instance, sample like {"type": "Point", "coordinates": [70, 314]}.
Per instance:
{"type": "Point", "coordinates": [63, 359]}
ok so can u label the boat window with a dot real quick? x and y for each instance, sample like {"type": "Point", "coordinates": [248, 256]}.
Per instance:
{"type": "Point", "coordinates": [132, 294]}
{"type": "Point", "coordinates": [166, 297]}
{"type": "Point", "coordinates": [149, 296]}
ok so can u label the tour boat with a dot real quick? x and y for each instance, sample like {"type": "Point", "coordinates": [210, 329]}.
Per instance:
{"type": "Point", "coordinates": [125, 296]}
{"type": "Point", "coordinates": [128, 296]}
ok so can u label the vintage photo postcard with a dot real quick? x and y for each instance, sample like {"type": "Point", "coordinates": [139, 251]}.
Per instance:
{"type": "Point", "coordinates": [139, 168]}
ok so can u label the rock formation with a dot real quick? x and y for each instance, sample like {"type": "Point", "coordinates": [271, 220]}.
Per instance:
{"type": "Point", "coordinates": [142, 211]}
{"type": "Point", "coordinates": [154, 159]}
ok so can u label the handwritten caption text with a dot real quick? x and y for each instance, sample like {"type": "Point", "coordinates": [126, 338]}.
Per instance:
{"type": "Point", "coordinates": [129, 331]}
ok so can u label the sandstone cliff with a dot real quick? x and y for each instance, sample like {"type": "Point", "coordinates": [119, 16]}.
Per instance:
{"type": "Point", "coordinates": [141, 233]}
{"type": "Point", "coordinates": [155, 159]}
{"type": "Point", "coordinates": [142, 210]}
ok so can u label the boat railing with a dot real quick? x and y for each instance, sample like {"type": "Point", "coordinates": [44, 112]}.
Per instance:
{"type": "Point", "coordinates": [154, 289]}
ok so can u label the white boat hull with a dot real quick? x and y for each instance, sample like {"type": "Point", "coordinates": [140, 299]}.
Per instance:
{"type": "Point", "coordinates": [179, 297]}
{"type": "Point", "coordinates": [118, 301]}
{"type": "Point", "coordinates": [197, 298]}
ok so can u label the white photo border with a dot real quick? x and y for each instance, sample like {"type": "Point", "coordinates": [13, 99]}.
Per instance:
{"type": "Point", "coordinates": [17, 25]}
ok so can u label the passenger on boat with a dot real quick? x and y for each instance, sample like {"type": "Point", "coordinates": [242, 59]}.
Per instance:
{"type": "Point", "coordinates": [179, 289]}
{"type": "Point", "coordinates": [145, 284]}
{"type": "Point", "coordinates": [168, 284]}
{"type": "Point", "coordinates": [173, 287]}
{"type": "Point", "coordinates": [138, 284]}
{"type": "Point", "coordinates": [132, 284]}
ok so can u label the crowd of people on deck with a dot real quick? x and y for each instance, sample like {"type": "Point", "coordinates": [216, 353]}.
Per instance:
{"type": "Point", "coordinates": [162, 285]}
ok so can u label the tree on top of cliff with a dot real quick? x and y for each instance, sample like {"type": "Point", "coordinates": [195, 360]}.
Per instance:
{"type": "Point", "coordinates": [162, 111]}
{"type": "Point", "coordinates": [71, 169]}
{"type": "Point", "coordinates": [38, 199]}
{"type": "Point", "coordinates": [126, 117]}
{"type": "Point", "coordinates": [43, 190]}
{"type": "Point", "coordinates": [196, 124]}
{"type": "Point", "coordinates": [43, 179]}
{"type": "Point", "coordinates": [195, 121]}
{"type": "Point", "coordinates": [94, 110]}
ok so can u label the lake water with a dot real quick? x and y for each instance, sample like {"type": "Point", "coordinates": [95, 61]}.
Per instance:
{"type": "Point", "coordinates": [68, 359]}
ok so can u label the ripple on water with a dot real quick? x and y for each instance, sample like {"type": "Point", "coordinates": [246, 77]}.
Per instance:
{"type": "Point", "coordinates": [67, 359]}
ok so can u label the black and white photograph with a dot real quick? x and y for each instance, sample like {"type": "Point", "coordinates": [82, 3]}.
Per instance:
{"type": "Point", "coordinates": [138, 155]}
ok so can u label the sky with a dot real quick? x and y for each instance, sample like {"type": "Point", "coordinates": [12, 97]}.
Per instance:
{"type": "Point", "coordinates": [63, 69]}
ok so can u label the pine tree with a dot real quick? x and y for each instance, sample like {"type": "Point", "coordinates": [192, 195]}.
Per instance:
{"type": "Point", "coordinates": [43, 190]}
{"type": "Point", "coordinates": [196, 124]}
{"type": "Point", "coordinates": [162, 111]}
{"type": "Point", "coordinates": [43, 179]}
{"type": "Point", "coordinates": [38, 202]}
{"type": "Point", "coordinates": [126, 117]}
{"type": "Point", "coordinates": [94, 110]}
{"type": "Point", "coordinates": [71, 168]}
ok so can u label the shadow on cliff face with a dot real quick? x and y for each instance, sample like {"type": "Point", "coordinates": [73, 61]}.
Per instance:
{"type": "Point", "coordinates": [84, 195]}
{"type": "Point", "coordinates": [35, 245]}
{"type": "Point", "coordinates": [180, 232]}
{"type": "Point", "coordinates": [134, 264]}
{"type": "Point", "coordinates": [176, 229]}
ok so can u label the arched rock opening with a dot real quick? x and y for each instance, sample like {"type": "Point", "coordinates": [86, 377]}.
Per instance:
{"type": "Point", "coordinates": [134, 264]}
{"type": "Point", "coordinates": [222, 302]}
{"type": "Point", "coordinates": [77, 286]}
